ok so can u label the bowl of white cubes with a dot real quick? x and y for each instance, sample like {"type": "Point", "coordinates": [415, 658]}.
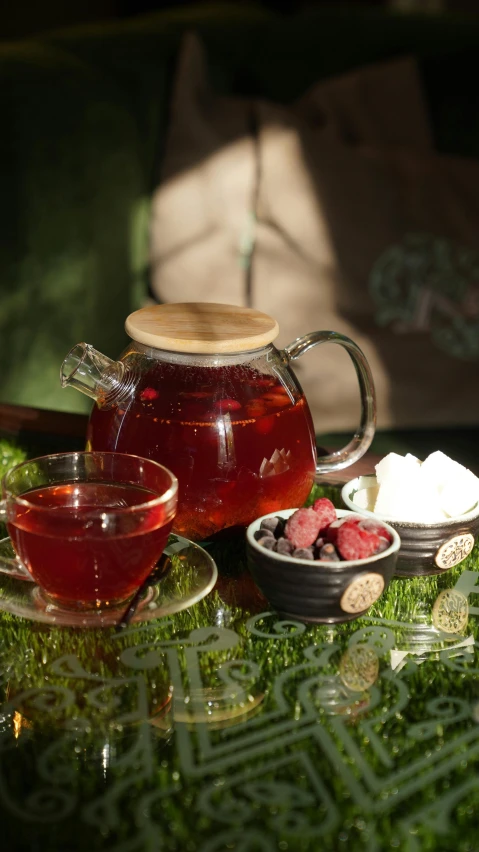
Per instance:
{"type": "Point", "coordinates": [433, 504]}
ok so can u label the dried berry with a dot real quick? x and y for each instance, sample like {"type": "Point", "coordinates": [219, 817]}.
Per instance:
{"type": "Point", "coordinates": [263, 533]}
{"type": "Point", "coordinates": [351, 537]}
{"type": "Point", "coordinates": [276, 397]}
{"type": "Point", "coordinates": [268, 541]}
{"type": "Point", "coordinates": [227, 405]}
{"type": "Point", "coordinates": [275, 400]}
{"type": "Point", "coordinates": [331, 533]}
{"type": "Point", "coordinates": [195, 394]}
{"type": "Point", "coordinates": [148, 394]}
{"type": "Point", "coordinates": [264, 425]}
{"type": "Point", "coordinates": [303, 553]}
{"type": "Point", "coordinates": [326, 512]}
{"type": "Point", "coordinates": [274, 525]}
{"type": "Point", "coordinates": [302, 527]}
{"type": "Point", "coordinates": [255, 408]}
{"type": "Point", "coordinates": [328, 553]}
{"type": "Point", "coordinates": [353, 542]}
{"type": "Point", "coordinates": [375, 527]}
{"type": "Point", "coordinates": [284, 546]}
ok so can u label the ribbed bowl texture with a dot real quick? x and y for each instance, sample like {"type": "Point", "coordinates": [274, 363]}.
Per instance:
{"type": "Point", "coordinates": [318, 592]}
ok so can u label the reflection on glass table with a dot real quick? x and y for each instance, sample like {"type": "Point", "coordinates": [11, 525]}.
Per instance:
{"type": "Point", "coordinates": [227, 727]}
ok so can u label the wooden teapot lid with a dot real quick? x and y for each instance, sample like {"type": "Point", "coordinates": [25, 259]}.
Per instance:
{"type": "Point", "coordinates": [201, 327]}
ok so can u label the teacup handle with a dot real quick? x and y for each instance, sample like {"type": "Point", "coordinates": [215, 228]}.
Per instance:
{"type": "Point", "coordinates": [363, 436]}
{"type": "Point", "coordinates": [11, 565]}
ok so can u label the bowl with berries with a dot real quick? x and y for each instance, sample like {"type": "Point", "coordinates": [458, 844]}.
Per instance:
{"type": "Point", "coordinates": [321, 564]}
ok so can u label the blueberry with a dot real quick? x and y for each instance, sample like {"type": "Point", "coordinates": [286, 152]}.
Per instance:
{"type": "Point", "coordinates": [269, 524]}
{"type": "Point", "coordinates": [262, 533]}
{"type": "Point", "coordinates": [283, 545]}
{"type": "Point", "coordinates": [303, 553]}
{"type": "Point", "coordinates": [268, 541]}
{"type": "Point", "coordinates": [275, 526]}
{"type": "Point", "coordinates": [328, 553]}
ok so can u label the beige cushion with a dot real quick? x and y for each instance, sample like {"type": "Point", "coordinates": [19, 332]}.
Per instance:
{"type": "Point", "coordinates": [333, 213]}
{"type": "Point", "coordinates": [208, 180]}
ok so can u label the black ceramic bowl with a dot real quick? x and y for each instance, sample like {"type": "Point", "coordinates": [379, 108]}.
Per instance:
{"type": "Point", "coordinates": [426, 549]}
{"type": "Point", "coordinates": [319, 592]}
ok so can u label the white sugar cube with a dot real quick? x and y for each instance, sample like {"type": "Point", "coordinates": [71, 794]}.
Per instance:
{"type": "Point", "coordinates": [393, 501]}
{"type": "Point", "coordinates": [457, 499]}
{"type": "Point", "coordinates": [412, 459]}
{"type": "Point", "coordinates": [438, 468]}
{"type": "Point", "coordinates": [457, 486]}
{"type": "Point", "coordinates": [394, 474]}
{"type": "Point", "coordinates": [365, 498]}
{"type": "Point", "coordinates": [426, 492]}
{"type": "Point", "coordinates": [394, 467]}
{"type": "Point", "coordinates": [366, 482]}
{"type": "Point", "coordinates": [410, 501]}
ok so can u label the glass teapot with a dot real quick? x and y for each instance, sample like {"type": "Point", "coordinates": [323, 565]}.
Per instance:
{"type": "Point", "coordinates": [202, 389]}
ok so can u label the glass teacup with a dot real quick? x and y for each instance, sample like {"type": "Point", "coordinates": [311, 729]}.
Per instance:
{"type": "Point", "coordinates": [88, 528]}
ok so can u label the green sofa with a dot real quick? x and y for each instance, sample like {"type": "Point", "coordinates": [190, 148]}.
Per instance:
{"type": "Point", "coordinates": [84, 114]}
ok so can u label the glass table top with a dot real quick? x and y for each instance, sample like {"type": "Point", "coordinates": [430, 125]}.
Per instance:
{"type": "Point", "coordinates": [225, 727]}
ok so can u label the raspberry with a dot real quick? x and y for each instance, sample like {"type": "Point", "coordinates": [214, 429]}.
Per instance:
{"type": "Point", "coordinates": [255, 408]}
{"type": "Point", "coordinates": [149, 393]}
{"type": "Point", "coordinates": [375, 527]}
{"type": "Point", "coordinates": [331, 533]}
{"type": "Point", "coordinates": [302, 528]}
{"type": "Point", "coordinates": [227, 405]}
{"type": "Point", "coordinates": [353, 542]}
{"type": "Point", "coordinates": [325, 511]}
{"type": "Point", "coordinates": [264, 425]}
{"type": "Point", "coordinates": [275, 398]}
{"type": "Point", "coordinates": [384, 543]}
{"type": "Point", "coordinates": [307, 534]}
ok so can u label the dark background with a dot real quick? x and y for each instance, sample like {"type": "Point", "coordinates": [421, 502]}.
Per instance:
{"type": "Point", "coordinates": [19, 18]}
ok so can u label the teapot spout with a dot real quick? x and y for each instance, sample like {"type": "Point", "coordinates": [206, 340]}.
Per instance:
{"type": "Point", "coordinates": [92, 373]}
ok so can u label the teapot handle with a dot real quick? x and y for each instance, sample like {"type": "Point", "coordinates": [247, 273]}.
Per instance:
{"type": "Point", "coordinates": [363, 437]}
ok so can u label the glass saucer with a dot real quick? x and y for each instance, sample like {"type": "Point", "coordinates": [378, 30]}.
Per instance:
{"type": "Point", "coordinates": [188, 575]}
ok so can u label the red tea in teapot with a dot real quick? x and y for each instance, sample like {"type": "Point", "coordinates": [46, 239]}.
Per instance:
{"type": "Point", "coordinates": [202, 389]}
{"type": "Point", "coordinates": [240, 442]}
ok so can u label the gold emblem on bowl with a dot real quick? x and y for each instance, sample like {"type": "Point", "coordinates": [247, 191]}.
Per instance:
{"type": "Point", "coordinates": [362, 592]}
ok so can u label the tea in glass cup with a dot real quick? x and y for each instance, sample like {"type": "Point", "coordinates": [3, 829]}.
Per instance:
{"type": "Point", "coordinates": [88, 528]}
